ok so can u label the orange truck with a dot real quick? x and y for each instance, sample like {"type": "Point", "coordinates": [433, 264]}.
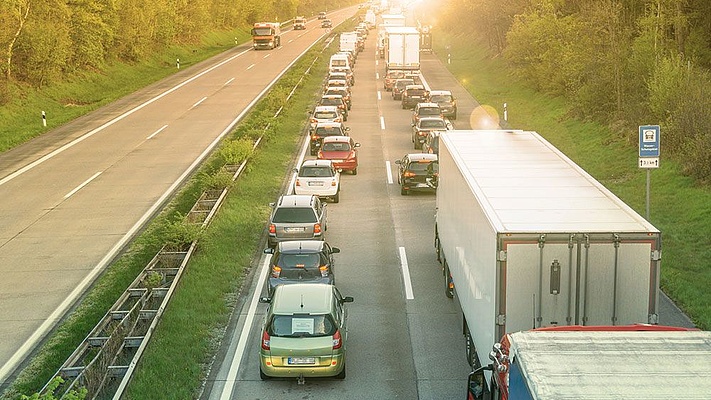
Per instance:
{"type": "Point", "coordinates": [266, 35]}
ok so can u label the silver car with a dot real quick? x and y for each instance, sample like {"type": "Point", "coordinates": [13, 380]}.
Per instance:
{"type": "Point", "coordinates": [297, 217]}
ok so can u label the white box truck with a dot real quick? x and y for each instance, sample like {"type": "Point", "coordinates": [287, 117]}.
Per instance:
{"type": "Point", "coordinates": [349, 42]}
{"type": "Point", "coordinates": [393, 20]}
{"type": "Point", "coordinates": [403, 48]}
{"type": "Point", "coordinates": [606, 362]}
{"type": "Point", "coordinates": [528, 239]}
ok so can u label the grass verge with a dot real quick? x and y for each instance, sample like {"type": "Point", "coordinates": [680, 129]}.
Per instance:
{"type": "Point", "coordinates": [679, 207]}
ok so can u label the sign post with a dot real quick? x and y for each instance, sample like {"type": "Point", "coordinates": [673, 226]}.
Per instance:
{"type": "Point", "coordinates": [649, 139]}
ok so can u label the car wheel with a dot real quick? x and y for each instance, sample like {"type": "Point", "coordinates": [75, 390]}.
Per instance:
{"type": "Point", "coordinates": [403, 191]}
{"type": "Point", "coordinates": [337, 197]}
{"type": "Point", "coordinates": [342, 374]}
{"type": "Point", "coordinates": [402, 105]}
{"type": "Point", "coordinates": [355, 171]}
{"type": "Point", "coordinates": [454, 116]}
{"type": "Point", "coordinates": [416, 145]}
{"type": "Point", "coordinates": [262, 375]}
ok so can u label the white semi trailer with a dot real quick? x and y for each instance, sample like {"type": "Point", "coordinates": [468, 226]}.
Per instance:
{"type": "Point", "coordinates": [527, 239]}
{"type": "Point", "coordinates": [403, 48]}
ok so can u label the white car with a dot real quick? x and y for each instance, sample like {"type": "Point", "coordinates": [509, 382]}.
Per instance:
{"type": "Point", "coordinates": [319, 178]}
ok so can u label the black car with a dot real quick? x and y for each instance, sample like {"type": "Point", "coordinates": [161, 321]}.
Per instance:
{"type": "Point", "coordinates": [301, 261]}
{"type": "Point", "coordinates": [425, 125]}
{"type": "Point", "coordinates": [399, 87]}
{"type": "Point", "coordinates": [326, 23]}
{"type": "Point", "coordinates": [324, 129]}
{"type": "Point", "coordinates": [412, 95]}
{"type": "Point", "coordinates": [417, 171]}
{"type": "Point", "coordinates": [431, 144]}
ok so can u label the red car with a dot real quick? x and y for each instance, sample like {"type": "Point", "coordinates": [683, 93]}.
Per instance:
{"type": "Point", "coordinates": [342, 151]}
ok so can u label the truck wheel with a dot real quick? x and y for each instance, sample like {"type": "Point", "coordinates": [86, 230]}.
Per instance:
{"type": "Point", "coordinates": [471, 353]}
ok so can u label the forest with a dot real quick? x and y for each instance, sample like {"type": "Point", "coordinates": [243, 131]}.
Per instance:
{"type": "Point", "coordinates": [624, 63]}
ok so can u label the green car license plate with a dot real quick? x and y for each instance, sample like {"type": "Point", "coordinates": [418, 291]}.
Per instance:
{"type": "Point", "coordinates": [301, 360]}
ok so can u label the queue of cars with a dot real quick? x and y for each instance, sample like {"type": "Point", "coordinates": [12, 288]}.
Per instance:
{"type": "Point", "coordinates": [304, 331]}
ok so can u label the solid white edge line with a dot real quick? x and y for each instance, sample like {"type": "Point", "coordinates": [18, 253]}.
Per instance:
{"type": "Point", "coordinates": [78, 188]}
{"type": "Point", "coordinates": [389, 171]}
{"type": "Point", "coordinates": [244, 334]}
{"type": "Point", "coordinates": [382, 122]}
{"type": "Point", "coordinates": [157, 132]}
{"type": "Point", "coordinates": [58, 312]}
{"type": "Point", "coordinates": [406, 274]}
{"type": "Point", "coordinates": [109, 123]}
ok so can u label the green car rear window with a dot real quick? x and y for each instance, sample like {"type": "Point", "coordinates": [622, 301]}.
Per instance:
{"type": "Point", "coordinates": [301, 325]}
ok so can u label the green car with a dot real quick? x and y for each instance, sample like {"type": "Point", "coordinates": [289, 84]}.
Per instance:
{"type": "Point", "coordinates": [304, 333]}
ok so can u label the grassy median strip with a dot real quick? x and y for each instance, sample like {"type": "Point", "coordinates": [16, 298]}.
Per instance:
{"type": "Point", "coordinates": [680, 207]}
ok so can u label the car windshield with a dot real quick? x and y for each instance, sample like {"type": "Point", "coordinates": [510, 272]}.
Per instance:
{"type": "Point", "coordinates": [437, 124]}
{"type": "Point", "coordinates": [292, 215]}
{"type": "Point", "coordinates": [328, 131]}
{"type": "Point", "coordinates": [326, 114]}
{"type": "Point", "coordinates": [337, 146]}
{"type": "Point", "coordinates": [441, 98]}
{"type": "Point", "coordinates": [331, 102]}
{"type": "Point", "coordinates": [419, 166]}
{"type": "Point", "coordinates": [316, 172]}
{"type": "Point", "coordinates": [299, 262]}
{"type": "Point", "coordinates": [429, 111]}
{"type": "Point", "coordinates": [301, 325]}
{"type": "Point", "coordinates": [261, 31]}
{"type": "Point", "coordinates": [401, 84]}
{"type": "Point", "coordinates": [396, 74]}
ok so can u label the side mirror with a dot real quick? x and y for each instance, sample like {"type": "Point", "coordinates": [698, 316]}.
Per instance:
{"type": "Point", "coordinates": [268, 250]}
{"type": "Point", "coordinates": [296, 170]}
{"type": "Point", "coordinates": [335, 250]}
{"type": "Point", "coordinates": [356, 145]}
{"type": "Point", "coordinates": [347, 299]}
{"type": "Point", "coordinates": [272, 204]}
{"type": "Point", "coordinates": [398, 162]}
{"type": "Point", "coordinates": [265, 300]}
{"type": "Point", "coordinates": [348, 128]}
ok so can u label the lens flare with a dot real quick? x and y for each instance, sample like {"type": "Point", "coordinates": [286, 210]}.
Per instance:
{"type": "Point", "coordinates": [484, 117]}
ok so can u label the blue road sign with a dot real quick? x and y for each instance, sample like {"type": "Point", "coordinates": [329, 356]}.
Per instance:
{"type": "Point", "coordinates": [649, 141]}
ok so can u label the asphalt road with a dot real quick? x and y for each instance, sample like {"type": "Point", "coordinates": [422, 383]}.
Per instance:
{"type": "Point", "coordinates": [71, 199]}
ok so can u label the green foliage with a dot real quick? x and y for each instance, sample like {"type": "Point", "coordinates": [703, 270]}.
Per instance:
{"type": "Point", "coordinates": [235, 151]}
{"type": "Point", "coordinates": [56, 382]}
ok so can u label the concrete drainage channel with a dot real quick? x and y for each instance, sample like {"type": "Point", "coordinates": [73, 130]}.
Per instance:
{"type": "Point", "coordinates": [104, 362]}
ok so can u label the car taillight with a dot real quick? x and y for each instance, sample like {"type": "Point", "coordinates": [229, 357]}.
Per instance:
{"type": "Point", "coordinates": [314, 120]}
{"type": "Point", "coordinates": [276, 271]}
{"type": "Point", "coordinates": [272, 229]}
{"type": "Point", "coordinates": [352, 155]}
{"type": "Point", "coordinates": [319, 154]}
{"type": "Point", "coordinates": [337, 342]}
{"type": "Point", "coordinates": [315, 137]}
{"type": "Point", "coordinates": [297, 183]}
{"type": "Point", "coordinates": [408, 174]}
{"type": "Point", "coordinates": [265, 340]}
{"type": "Point", "coordinates": [324, 270]}
{"type": "Point", "coordinates": [333, 182]}
{"type": "Point", "coordinates": [317, 228]}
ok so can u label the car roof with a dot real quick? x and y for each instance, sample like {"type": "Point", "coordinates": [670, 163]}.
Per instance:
{"type": "Point", "coordinates": [345, 139]}
{"type": "Point", "coordinates": [332, 96]}
{"type": "Point", "coordinates": [300, 246]}
{"type": "Point", "coordinates": [317, 163]}
{"type": "Point", "coordinates": [414, 87]}
{"type": "Point", "coordinates": [431, 119]}
{"type": "Point", "coordinates": [296, 200]}
{"type": "Point", "coordinates": [422, 157]}
{"type": "Point", "coordinates": [300, 298]}
{"type": "Point", "coordinates": [423, 105]}
{"type": "Point", "coordinates": [440, 92]}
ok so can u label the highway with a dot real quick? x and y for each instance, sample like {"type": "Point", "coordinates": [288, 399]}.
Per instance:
{"type": "Point", "coordinates": [70, 200]}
